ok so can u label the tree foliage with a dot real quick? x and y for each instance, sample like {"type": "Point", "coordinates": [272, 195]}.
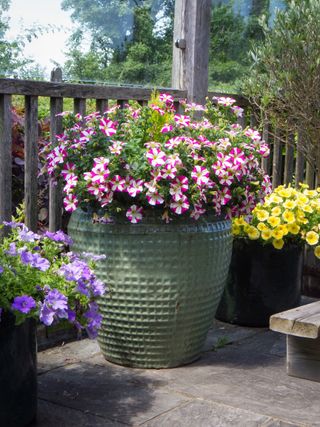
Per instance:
{"type": "Point", "coordinates": [285, 78]}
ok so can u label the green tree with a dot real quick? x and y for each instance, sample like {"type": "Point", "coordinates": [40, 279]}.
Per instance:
{"type": "Point", "coordinates": [284, 81]}
{"type": "Point", "coordinates": [131, 40]}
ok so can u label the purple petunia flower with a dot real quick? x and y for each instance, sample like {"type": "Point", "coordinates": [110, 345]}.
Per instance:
{"type": "Point", "coordinates": [0, 313]}
{"type": "Point", "coordinates": [93, 257]}
{"type": "Point", "coordinates": [59, 236]}
{"type": "Point", "coordinates": [1, 270]}
{"type": "Point", "coordinates": [23, 303]}
{"type": "Point", "coordinates": [35, 260]}
{"type": "Point", "coordinates": [54, 305]}
{"type": "Point", "coordinates": [12, 249]}
{"type": "Point", "coordinates": [13, 224]}
{"type": "Point", "coordinates": [28, 235]}
{"type": "Point", "coordinates": [94, 320]}
{"type": "Point", "coordinates": [76, 270]}
{"type": "Point", "coordinates": [97, 288]}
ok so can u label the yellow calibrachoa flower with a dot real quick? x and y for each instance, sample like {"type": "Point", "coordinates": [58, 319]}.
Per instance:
{"type": "Point", "coordinates": [236, 229]}
{"type": "Point", "coordinates": [288, 216]}
{"type": "Point", "coordinates": [285, 192]}
{"type": "Point", "coordinates": [290, 204]}
{"type": "Point", "coordinates": [276, 211]}
{"type": "Point", "coordinates": [273, 221]}
{"type": "Point", "coordinates": [266, 234]}
{"type": "Point", "coordinates": [253, 233]}
{"type": "Point", "coordinates": [277, 233]}
{"type": "Point", "coordinates": [312, 238]}
{"type": "Point", "coordinates": [307, 208]}
{"type": "Point", "coordinates": [278, 243]}
{"type": "Point", "coordinates": [283, 228]}
{"type": "Point", "coordinates": [293, 228]}
{"type": "Point", "coordinates": [262, 226]}
{"type": "Point", "coordinates": [317, 251]}
{"type": "Point", "coordinates": [275, 199]}
{"type": "Point", "coordinates": [262, 215]}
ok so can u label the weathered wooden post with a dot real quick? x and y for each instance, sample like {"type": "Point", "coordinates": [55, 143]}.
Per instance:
{"type": "Point", "coordinates": [31, 162]}
{"type": "Point", "coordinates": [5, 160]}
{"type": "Point", "coordinates": [191, 48]}
{"type": "Point", "coordinates": [55, 193]}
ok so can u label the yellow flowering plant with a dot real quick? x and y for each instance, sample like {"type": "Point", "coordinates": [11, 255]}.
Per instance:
{"type": "Point", "coordinates": [288, 215]}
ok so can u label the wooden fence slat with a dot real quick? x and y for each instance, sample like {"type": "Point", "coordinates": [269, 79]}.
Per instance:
{"type": "Point", "coordinates": [289, 160]}
{"type": "Point", "coordinates": [277, 161]}
{"type": "Point", "coordinates": [310, 175]}
{"type": "Point", "coordinates": [101, 105]}
{"type": "Point", "coordinates": [31, 162]}
{"type": "Point", "coordinates": [79, 106]}
{"type": "Point", "coordinates": [5, 160]}
{"type": "Point", "coordinates": [122, 102]}
{"type": "Point", "coordinates": [265, 162]}
{"type": "Point", "coordinates": [55, 192]}
{"type": "Point", "coordinates": [300, 162]}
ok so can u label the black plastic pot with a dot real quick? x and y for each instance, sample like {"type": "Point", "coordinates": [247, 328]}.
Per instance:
{"type": "Point", "coordinates": [262, 281]}
{"type": "Point", "coordinates": [18, 372]}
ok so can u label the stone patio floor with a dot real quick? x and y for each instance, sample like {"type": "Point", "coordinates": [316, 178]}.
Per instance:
{"type": "Point", "coordinates": [240, 380]}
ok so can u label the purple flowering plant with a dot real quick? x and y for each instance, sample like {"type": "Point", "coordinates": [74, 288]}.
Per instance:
{"type": "Point", "coordinates": [40, 279]}
{"type": "Point", "coordinates": [185, 161]}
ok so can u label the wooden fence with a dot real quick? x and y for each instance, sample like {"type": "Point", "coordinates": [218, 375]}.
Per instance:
{"type": "Point", "coordinates": [284, 164]}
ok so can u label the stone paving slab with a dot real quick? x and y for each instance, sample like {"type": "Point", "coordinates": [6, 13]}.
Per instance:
{"type": "Point", "coordinates": [240, 380]}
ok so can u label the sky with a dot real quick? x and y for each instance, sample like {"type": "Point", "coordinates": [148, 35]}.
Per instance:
{"type": "Point", "coordinates": [49, 46]}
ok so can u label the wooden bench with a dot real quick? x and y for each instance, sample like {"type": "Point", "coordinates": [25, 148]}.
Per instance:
{"type": "Point", "coordinates": [302, 327]}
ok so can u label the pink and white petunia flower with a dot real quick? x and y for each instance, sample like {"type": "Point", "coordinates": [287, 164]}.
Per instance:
{"type": "Point", "coordinates": [153, 144]}
{"type": "Point", "coordinates": [253, 134]}
{"type": "Point", "coordinates": [118, 183]}
{"type": "Point", "coordinates": [198, 210]}
{"type": "Point", "coordinates": [200, 175]}
{"type": "Point", "coordinates": [226, 101]}
{"type": "Point", "coordinates": [135, 187]}
{"type": "Point", "coordinates": [70, 203]}
{"type": "Point", "coordinates": [116, 147]}
{"type": "Point", "coordinates": [169, 171]}
{"type": "Point", "coordinates": [101, 163]}
{"type": "Point", "coordinates": [105, 199]}
{"type": "Point", "coordinates": [182, 121]}
{"type": "Point", "coordinates": [134, 214]}
{"type": "Point", "coordinates": [68, 170]}
{"type": "Point", "coordinates": [166, 129]}
{"type": "Point", "coordinates": [174, 142]}
{"type": "Point", "coordinates": [180, 206]}
{"type": "Point", "coordinates": [178, 187]}
{"type": "Point", "coordinates": [107, 126]}
{"type": "Point", "coordinates": [154, 198]}
{"type": "Point", "coordinates": [225, 196]}
{"type": "Point", "coordinates": [156, 157]}
{"type": "Point", "coordinates": [71, 184]}
{"type": "Point", "coordinates": [167, 99]}
{"type": "Point", "coordinates": [174, 160]}
{"type": "Point", "coordinates": [158, 109]}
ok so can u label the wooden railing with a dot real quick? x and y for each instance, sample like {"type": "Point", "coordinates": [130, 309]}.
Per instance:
{"type": "Point", "coordinates": [283, 165]}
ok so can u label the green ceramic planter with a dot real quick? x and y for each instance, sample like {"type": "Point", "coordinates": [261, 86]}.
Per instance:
{"type": "Point", "coordinates": [165, 283]}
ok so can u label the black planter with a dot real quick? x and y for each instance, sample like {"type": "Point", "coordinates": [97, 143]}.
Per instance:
{"type": "Point", "coordinates": [262, 281]}
{"type": "Point", "coordinates": [18, 372]}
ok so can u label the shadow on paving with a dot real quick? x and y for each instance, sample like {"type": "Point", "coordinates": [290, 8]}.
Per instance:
{"type": "Point", "coordinates": [111, 394]}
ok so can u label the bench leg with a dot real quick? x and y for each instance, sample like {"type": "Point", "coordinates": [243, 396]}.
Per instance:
{"type": "Point", "coordinates": [303, 357]}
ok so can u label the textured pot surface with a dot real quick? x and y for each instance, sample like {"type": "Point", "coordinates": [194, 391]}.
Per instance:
{"type": "Point", "coordinates": [165, 283]}
{"type": "Point", "coordinates": [18, 372]}
{"type": "Point", "coordinates": [262, 281]}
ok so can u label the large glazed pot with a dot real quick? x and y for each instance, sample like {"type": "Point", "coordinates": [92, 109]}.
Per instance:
{"type": "Point", "coordinates": [165, 282]}
{"type": "Point", "coordinates": [18, 372]}
{"type": "Point", "coordinates": [262, 281]}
